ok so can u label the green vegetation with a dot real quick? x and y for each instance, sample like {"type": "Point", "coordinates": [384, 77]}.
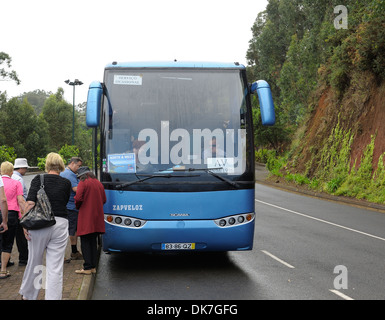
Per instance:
{"type": "Point", "coordinates": [39, 122]}
{"type": "Point", "coordinates": [299, 51]}
{"type": "Point", "coordinates": [334, 174]}
{"type": "Point", "coordinates": [5, 65]}
{"type": "Point", "coordinates": [66, 152]}
{"type": "Point", "coordinates": [7, 154]}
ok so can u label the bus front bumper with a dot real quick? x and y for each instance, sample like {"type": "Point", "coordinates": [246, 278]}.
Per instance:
{"type": "Point", "coordinates": [198, 235]}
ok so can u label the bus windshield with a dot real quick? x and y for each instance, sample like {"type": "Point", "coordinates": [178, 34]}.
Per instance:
{"type": "Point", "coordinates": [183, 123]}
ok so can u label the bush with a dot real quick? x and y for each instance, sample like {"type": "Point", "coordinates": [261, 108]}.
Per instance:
{"type": "Point", "coordinates": [314, 184]}
{"type": "Point", "coordinates": [67, 152]}
{"type": "Point", "coordinates": [333, 185]}
{"type": "Point", "coordinates": [262, 155]}
{"type": "Point", "coordinates": [301, 179]}
{"type": "Point", "coordinates": [275, 164]}
{"type": "Point", "coordinates": [7, 154]}
{"type": "Point", "coordinates": [41, 163]}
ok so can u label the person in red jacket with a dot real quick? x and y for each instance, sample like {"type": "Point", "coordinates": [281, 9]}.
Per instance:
{"type": "Point", "coordinates": [89, 200]}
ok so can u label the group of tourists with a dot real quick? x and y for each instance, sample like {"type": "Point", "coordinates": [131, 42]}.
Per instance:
{"type": "Point", "coordinates": [76, 198]}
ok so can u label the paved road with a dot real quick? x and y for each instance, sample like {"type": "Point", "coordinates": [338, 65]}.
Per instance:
{"type": "Point", "coordinates": [28, 178]}
{"type": "Point", "coordinates": [305, 248]}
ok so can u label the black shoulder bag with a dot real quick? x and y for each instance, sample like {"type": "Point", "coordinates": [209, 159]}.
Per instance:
{"type": "Point", "coordinates": [41, 215]}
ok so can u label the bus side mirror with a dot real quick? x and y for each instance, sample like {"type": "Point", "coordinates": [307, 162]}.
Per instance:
{"type": "Point", "coordinates": [265, 101]}
{"type": "Point", "coordinates": [94, 102]}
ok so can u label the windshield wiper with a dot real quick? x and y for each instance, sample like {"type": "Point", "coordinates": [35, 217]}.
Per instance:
{"type": "Point", "coordinates": [168, 176]}
{"type": "Point", "coordinates": [209, 170]}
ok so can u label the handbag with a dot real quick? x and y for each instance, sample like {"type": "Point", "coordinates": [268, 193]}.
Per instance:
{"type": "Point", "coordinates": [41, 215]}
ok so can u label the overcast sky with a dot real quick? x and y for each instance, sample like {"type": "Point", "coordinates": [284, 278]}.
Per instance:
{"type": "Point", "coordinates": [50, 41]}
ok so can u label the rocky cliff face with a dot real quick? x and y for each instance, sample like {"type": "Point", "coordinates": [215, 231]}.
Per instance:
{"type": "Point", "coordinates": [361, 111]}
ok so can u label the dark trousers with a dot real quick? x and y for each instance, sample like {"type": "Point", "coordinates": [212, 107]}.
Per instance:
{"type": "Point", "coordinates": [8, 237]}
{"type": "Point", "coordinates": [89, 250]}
{"type": "Point", "coordinates": [16, 231]}
{"type": "Point", "coordinates": [22, 243]}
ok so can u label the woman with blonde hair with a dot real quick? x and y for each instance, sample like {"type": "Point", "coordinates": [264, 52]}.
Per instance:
{"type": "Point", "coordinates": [16, 203]}
{"type": "Point", "coordinates": [52, 240]}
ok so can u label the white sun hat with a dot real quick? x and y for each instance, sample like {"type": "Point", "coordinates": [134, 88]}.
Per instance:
{"type": "Point", "coordinates": [21, 163]}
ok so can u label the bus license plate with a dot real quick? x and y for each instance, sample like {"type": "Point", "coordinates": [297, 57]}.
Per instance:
{"type": "Point", "coordinates": [178, 246]}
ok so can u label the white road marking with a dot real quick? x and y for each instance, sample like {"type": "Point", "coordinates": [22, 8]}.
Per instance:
{"type": "Point", "coordinates": [340, 294]}
{"type": "Point", "coordinates": [278, 259]}
{"type": "Point", "coordinates": [321, 220]}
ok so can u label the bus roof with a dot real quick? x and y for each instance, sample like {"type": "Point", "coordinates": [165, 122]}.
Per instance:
{"type": "Point", "coordinates": [176, 64]}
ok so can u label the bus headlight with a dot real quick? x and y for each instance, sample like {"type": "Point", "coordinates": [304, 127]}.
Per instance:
{"type": "Point", "coordinates": [137, 223]}
{"type": "Point", "coordinates": [235, 220]}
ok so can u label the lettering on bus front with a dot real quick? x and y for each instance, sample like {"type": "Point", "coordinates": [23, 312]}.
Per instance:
{"type": "Point", "coordinates": [127, 207]}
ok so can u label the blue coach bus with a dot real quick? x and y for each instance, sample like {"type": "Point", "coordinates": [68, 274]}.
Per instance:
{"type": "Point", "coordinates": [176, 154]}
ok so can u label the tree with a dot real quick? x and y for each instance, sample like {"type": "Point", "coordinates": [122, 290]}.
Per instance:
{"type": "Point", "coordinates": [7, 154]}
{"type": "Point", "coordinates": [58, 115]}
{"type": "Point", "coordinates": [22, 130]}
{"type": "Point", "coordinates": [38, 122]}
{"type": "Point", "coordinates": [270, 137]}
{"type": "Point", "coordinates": [267, 54]}
{"type": "Point", "coordinates": [5, 73]}
{"type": "Point", "coordinates": [36, 98]}
{"type": "Point", "coordinates": [293, 40]}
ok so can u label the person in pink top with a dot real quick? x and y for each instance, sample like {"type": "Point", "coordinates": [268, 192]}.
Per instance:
{"type": "Point", "coordinates": [16, 203]}
{"type": "Point", "coordinates": [3, 209]}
